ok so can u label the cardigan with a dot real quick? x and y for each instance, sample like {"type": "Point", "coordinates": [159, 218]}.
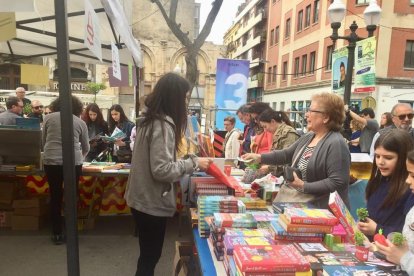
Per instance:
{"type": "Point", "coordinates": [328, 168]}
{"type": "Point", "coordinates": [154, 168]}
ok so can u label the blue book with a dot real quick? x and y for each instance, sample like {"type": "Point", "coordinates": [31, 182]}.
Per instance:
{"type": "Point", "coordinates": [360, 270]}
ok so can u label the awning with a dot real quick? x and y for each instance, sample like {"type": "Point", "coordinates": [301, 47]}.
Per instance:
{"type": "Point", "coordinates": [36, 35]}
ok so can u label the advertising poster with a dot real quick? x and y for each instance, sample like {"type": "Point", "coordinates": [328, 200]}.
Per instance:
{"type": "Point", "coordinates": [92, 38]}
{"type": "Point", "coordinates": [339, 66]}
{"type": "Point", "coordinates": [365, 65]}
{"type": "Point", "coordinates": [231, 89]}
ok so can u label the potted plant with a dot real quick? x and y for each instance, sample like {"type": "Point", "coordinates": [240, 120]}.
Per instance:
{"type": "Point", "coordinates": [361, 252]}
{"type": "Point", "coordinates": [396, 238]}
{"type": "Point", "coordinates": [362, 214]}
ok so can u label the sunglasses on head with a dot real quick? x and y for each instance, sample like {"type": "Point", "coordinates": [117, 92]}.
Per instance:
{"type": "Point", "coordinates": [403, 116]}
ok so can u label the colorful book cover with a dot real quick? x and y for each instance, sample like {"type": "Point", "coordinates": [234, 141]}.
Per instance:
{"type": "Point", "coordinates": [340, 210]}
{"type": "Point", "coordinates": [244, 232]}
{"type": "Point", "coordinates": [320, 259]}
{"type": "Point", "coordinates": [234, 220]}
{"type": "Point", "coordinates": [310, 247]}
{"type": "Point", "coordinates": [279, 207]}
{"type": "Point", "coordinates": [303, 228]}
{"type": "Point", "coordinates": [269, 258]}
{"type": "Point", "coordinates": [310, 216]}
{"type": "Point", "coordinates": [280, 231]}
{"type": "Point", "coordinates": [231, 241]}
{"type": "Point", "coordinates": [360, 270]}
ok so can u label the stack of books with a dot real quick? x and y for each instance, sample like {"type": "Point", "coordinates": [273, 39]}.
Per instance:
{"type": "Point", "coordinates": [253, 203]}
{"type": "Point", "coordinates": [211, 187]}
{"type": "Point", "coordinates": [297, 224]}
{"type": "Point", "coordinates": [279, 207]}
{"type": "Point", "coordinates": [345, 217]}
{"type": "Point", "coordinates": [208, 205]}
{"type": "Point", "coordinates": [235, 220]}
{"type": "Point", "coordinates": [270, 260]}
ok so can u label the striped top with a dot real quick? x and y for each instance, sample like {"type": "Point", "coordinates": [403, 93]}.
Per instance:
{"type": "Point", "coordinates": [304, 160]}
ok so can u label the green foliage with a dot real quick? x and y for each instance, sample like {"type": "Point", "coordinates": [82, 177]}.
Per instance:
{"type": "Point", "coordinates": [253, 166]}
{"type": "Point", "coordinates": [94, 88]}
{"type": "Point", "coordinates": [397, 239]}
{"type": "Point", "coordinates": [27, 108]}
{"type": "Point", "coordinates": [359, 238]}
{"type": "Point", "coordinates": [362, 214]}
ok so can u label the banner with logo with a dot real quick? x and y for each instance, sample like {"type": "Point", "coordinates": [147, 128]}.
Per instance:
{"type": "Point", "coordinates": [92, 38]}
{"type": "Point", "coordinates": [365, 65]}
{"type": "Point", "coordinates": [231, 89]}
{"type": "Point", "coordinates": [339, 66]}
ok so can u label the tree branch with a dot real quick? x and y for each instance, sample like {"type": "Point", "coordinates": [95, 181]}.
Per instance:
{"type": "Point", "coordinates": [201, 38]}
{"type": "Point", "coordinates": [173, 9]}
{"type": "Point", "coordinates": [181, 36]}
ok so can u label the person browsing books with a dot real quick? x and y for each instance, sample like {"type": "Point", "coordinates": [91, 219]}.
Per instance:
{"type": "Point", "coordinates": [321, 156]}
{"type": "Point", "coordinates": [118, 119]}
{"type": "Point", "coordinates": [53, 160]}
{"type": "Point", "coordinates": [404, 255]}
{"type": "Point", "coordinates": [150, 192]}
{"type": "Point", "coordinates": [388, 197]}
{"type": "Point", "coordinates": [97, 126]}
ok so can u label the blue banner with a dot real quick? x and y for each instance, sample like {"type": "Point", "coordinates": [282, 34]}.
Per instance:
{"type": "Point", "coordinates": [231, 89]}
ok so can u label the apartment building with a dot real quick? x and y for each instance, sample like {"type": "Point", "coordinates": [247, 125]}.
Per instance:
{"type": "Point", "coordinates": [299, 52]}
{"type": "Point", "coordinates": [246, 39]}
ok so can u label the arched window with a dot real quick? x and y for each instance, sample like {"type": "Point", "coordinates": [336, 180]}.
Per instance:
{"type": "Point", "coordinates": [10, 76]}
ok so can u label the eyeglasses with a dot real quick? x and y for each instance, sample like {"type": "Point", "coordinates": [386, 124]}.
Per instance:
{"type": "Point", "coordinates": [403, 116]}
{"type": "Point", "coordinates": [37, 107]}
{"type": "Point", "coordinates": [315, 111]}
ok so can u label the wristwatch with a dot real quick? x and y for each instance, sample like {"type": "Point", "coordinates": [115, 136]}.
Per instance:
{"type": "Point", "coordinates": [194, 159]}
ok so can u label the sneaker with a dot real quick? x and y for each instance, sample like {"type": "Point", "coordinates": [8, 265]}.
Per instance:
{"type": "Point", "coordinates": [58, 239]}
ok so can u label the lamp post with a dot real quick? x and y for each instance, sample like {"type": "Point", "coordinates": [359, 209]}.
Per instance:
{"type": "Point", "coordinates": [336, 13]}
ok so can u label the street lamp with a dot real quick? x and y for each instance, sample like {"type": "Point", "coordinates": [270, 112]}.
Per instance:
{"type": "Point", "coordinates": [336, 13]}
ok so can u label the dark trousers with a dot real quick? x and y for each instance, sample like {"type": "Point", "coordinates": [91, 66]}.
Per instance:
{"type": "Point", "coordinates": [54, 175]}
{"type": "Point", "coordinates": [151, 232]}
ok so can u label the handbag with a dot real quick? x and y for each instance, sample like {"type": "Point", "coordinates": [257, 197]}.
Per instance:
{"type": "Point", "coordinates": [124, 155]}
{"type": "Point", "coordinates": [291, 194]}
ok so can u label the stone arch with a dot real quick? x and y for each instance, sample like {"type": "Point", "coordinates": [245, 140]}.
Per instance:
{"type": "Point", "coordinates": [178, 58]}
{"type": "Point", "coordinates": [149, 61]}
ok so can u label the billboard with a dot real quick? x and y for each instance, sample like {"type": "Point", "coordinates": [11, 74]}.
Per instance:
{"type": "Point", "coordinates": [231, 89]}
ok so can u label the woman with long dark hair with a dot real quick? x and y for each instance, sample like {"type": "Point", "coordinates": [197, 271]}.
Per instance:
{"type": "Point", "coordinates": [96, 126]}
{"type": "Point", "coordinates": [388, 197]}
{"type": "Point", "coordinates": [150, 191]}
{"type": "Point", "coordinates": [53, 160]}
{"type": "Point", "coordinates": [118, 119]}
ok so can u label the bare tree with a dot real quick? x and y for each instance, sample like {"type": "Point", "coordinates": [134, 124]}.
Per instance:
{"type": "Point", "coordinates": [192, 47]}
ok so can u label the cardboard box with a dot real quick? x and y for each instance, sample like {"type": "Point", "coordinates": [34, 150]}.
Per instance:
{"type": "Point", "coordinates": [36, 206]}
{"type": "Point", "coordinates": [184, 253]}
{"type": "Point", "coordinates": [26, 222]}
{"type": "Point", "coordinates": [6, 219]}
{"type": "Point", "coordinates": [12, 188]}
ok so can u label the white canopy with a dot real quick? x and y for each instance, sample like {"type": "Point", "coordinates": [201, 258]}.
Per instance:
{"type": "Point", "coordinates": [36, 35]}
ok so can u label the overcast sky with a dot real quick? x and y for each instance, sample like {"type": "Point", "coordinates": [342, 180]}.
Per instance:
{"type": "Point", "coordinates": [224, 18]}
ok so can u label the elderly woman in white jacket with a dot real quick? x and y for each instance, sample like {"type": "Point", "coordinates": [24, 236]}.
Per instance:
{"type": "Point", "coordinates": [404, 255]}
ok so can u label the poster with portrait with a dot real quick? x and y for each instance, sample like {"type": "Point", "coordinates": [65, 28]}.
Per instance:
{"type": "Point", "coordinates": [365, 65]}
{"type": "Point", "coordinates": [339, 66]}
{"type": "Point", "coordinates": [231, 89]}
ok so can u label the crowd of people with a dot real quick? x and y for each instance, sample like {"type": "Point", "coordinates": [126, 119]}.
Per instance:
{"type": "Point", "coordinates": [319, 160]}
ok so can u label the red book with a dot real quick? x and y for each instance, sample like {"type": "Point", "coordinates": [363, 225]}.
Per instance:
{"type": "Point", "coordinates": [310, 216]}
{"type": "Point", "coordinates": [340, 210]}
{"type": "Point", "coordinates": [269, 258]}
{"type": "Point", "coordinates": [303, 228]}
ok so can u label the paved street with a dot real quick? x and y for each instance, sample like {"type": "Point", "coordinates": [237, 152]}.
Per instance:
{"type": "Point", "coordinates": [110, 249]}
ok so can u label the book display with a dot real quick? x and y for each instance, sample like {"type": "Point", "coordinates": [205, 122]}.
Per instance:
{"type": "Point", "coordinates": [295, 238]}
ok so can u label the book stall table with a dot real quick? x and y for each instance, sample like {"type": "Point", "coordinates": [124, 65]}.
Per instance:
{"type": "Point", "coordinates": [100, 192]}
{"type": "Point", "coordinates": [329, 252]}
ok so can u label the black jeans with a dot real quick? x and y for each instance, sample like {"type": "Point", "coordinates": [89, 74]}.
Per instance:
{"type": "Point", "coordinates": [151, 232]}
{"type": "Point", "coordinates": [54, 175]}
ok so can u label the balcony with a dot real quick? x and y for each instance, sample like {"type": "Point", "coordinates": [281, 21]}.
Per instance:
{"type": "Point", "coordinates": [256, 81]}
{"type": "Point", "coordinates": [248, 45]}
{"type": "Point", "coordinates": [250, 24]}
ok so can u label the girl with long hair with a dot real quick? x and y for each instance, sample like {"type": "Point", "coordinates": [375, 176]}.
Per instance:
{"type": "Point", "coordinates": [150, 191]}
{"type": "Point", "coordinates": [388, 197]}
{"type": "Point", "coordinates": [118, 119]}
{"type": "Point", "coordinates": [96, 126]}
{"type": "Point", "coordinates": [404, 255]}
